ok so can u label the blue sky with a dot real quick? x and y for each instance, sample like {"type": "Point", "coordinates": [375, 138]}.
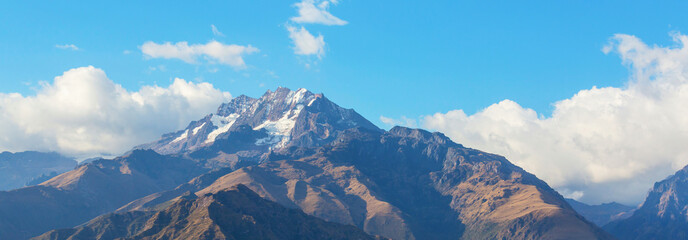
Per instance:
{"type": "Point", "coordinates": [529, 81]}
{"type": "Point", "coordinates": [393, 58]}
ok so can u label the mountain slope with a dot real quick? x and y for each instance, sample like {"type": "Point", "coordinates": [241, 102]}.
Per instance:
{"type": "Point", "coordinates": [663, 215]}
{"type": "Point", "coordinates": [237, 213]}
{"type": "Point", "coordinates": [155, 200]}
{"type": "Point", "coordinates": [19, 169]}
{"type": "Point", "coordinates": [412, 184]}
{"type": "Point", "coordinates": [88, 191]}
{"type": "Point", "coordinates": [603, 213]}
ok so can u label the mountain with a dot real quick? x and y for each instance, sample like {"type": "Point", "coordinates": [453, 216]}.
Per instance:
{"type": "Point", "coordinates": [663, 215]}
{"type": "Point", "coordinates": [410, 184]}
{"type": "Point", "coordinates": [90, 190]}
{"type": "Point", "coordinates": [28, 168]}
{"type": "Point", "coordinates": [247, 128]}
{"type": "Point", "coordinates": [603, 213]}
{"type": "Point", "coordinates": [302, 151]}
{"type": "Point", "coordinates": [236, 213]}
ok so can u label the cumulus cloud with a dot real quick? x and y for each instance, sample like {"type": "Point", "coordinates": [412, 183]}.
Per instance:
{"type": "Point", "coordinates": [213, 51]}
{"type": "Point", "coordinates": [313, 12]}
{"type": "Point", "coordinates": [305, 43]}
{"type": "Point", "coordinates": [67, 46]}
{"type": "Point", "coordinates": [602, 144]}
{"type": "Point", "coordinates": [317, 13]}
{"type": "Point", "coordinates": [83, 113]}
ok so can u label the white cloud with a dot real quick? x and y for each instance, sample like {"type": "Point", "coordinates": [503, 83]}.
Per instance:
{"type": "Point", "coordinates": [215, 31]}
{"type": "Point", "coordinates": [603, 144]}
{"type": "Point", "coordinates": [404, 121]}
{"type": "Point", "coordinates": [314, 12]}
{"type": "Point", "coordinates": [83, 113]}
{"type": "Point", "coordinates": [67, 46]}
{"type": "Point", "coordinates": [213, 51]}
{"type": "Point", "coordinates": [305, 43]}
{"type": "Point", "coordinates": [309, 12]}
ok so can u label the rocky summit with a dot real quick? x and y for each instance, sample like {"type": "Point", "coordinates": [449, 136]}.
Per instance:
{"type": "Point", "coordinates": [276, 120]}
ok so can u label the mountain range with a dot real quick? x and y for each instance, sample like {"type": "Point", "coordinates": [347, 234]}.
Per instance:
{"type": "Point", "coordinates": [29, 168]}
{"type": "Point", "coordinates": [602, 214]}
{"type": "Point", "coordinates": [315, 164]}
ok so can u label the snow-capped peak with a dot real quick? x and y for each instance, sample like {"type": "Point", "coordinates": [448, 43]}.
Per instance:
{"type": "Point", "coordinates": [275, 114]}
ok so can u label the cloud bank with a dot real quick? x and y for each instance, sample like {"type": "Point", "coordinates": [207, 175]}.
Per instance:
{"type": "Point", "coordinates": [603, 144]}
{"type": "Point", "coordinates": [83, 113]}
{"type": "Point", "coordinates": [213, 51]}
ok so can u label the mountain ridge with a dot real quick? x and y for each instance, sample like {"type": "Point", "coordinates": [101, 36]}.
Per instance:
{"type": "Point", "coordinates": [236, 213]}
{"type": "Point", "coordinates": [90, 190]}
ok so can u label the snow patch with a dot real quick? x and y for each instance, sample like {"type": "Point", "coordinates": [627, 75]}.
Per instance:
{"type": "Point", "coordinates": [299, 96]}
{"type": "Point", "coordinates": [279, 131]}
{"type": "Point", "coordinates": [181, 137]}
{"type": "Point", "coordinates": [311, 102]}
{"type": "Point", "coordinates": [195, 131]}
{"type": "Point", "coordinates": [223, 124]}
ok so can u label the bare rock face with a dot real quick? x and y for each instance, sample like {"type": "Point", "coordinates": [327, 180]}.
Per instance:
{"type": "Point", "coordinates": [412, 184]}
{"type": "Point", "coordinates": [663, 215]}
{"type": "Point", "coordinates": [275, 121]}
{"type": "Point", "coordinates": [236, 213]}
